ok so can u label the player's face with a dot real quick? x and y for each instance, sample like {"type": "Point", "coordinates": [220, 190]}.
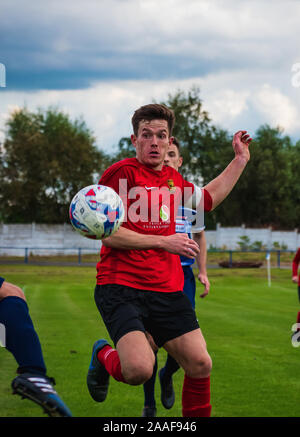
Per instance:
{"type": "Point", "coordinates": [151, 143]}
{"type": "Point", "coordinates": [172, 158]}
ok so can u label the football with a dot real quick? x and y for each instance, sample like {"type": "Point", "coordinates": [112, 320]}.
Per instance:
{"type": "Point", "coordinates": [96, 212]}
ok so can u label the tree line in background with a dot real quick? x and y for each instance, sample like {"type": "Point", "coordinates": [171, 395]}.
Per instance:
{"type": "Point", "coordinates": [46, 158]}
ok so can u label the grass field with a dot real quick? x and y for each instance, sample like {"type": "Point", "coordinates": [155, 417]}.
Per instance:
{"type": "Point", "coordinates": [247, 326]}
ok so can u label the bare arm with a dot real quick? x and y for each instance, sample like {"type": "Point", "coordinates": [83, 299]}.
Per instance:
{"type": "Point", "coordinates": [126, 239]}
{"type": "Point", "coordinates": [221, 186]}
{"type": "Point", "coordinates": [201, 259]}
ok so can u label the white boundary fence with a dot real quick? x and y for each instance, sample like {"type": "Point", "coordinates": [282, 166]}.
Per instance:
{"type": "Point", "coordinates": [227, 238]}
{"type": "Point", "coordinates": [42, 240]}
{"type": "Point", "coordinates": [39, 239]}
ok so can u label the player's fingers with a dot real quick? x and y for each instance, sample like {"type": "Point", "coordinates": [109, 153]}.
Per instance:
{"type": "Point", "coordinates": [190, 253]}
{"type": "Point", "coordinates": [194, 247]}
{"type": "Point", "coordinates": [246, 138]}
{"type": "Point", "coordinates": [240, 133]}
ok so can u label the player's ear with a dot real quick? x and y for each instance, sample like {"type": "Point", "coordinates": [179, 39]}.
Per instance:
{"type": "Point", "coordinates": [180, 161]}
{"type": "Point", "coordinates": [133, 140]}
{"type": "Point", "coordinates": [171, 139]}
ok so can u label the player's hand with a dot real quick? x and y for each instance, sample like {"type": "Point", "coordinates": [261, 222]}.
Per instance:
{"type": "Point", "coordinates": [181, 244]}
{"type": "Point", "coordinates": [204, 280]}
{"type": "Point", "coordinates": [295, 279]}
{"type": "Point", "coordinates": [240, 144]}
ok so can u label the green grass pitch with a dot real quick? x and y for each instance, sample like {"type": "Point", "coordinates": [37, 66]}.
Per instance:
{"type": "Point", "coordinates": [246, 323]}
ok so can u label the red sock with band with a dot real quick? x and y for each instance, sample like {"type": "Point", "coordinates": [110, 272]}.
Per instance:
{"type": "Point", "coordinates": [109, 358]}
{"type": "Point", "coordinates": [196, 397]}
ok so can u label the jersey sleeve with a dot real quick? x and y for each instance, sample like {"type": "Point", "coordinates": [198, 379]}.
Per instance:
{"type": "Point", "coordinates": [119, 178]}
{"type": "Point", "coordinates": [198, 198]}
{"type": "Point", "coordinates": [113, 177]}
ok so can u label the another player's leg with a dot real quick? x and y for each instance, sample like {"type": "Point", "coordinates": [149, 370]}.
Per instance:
{"type": "Point", "coordinates": [171, 366]}
{"type": "Point", "coordinates": [190, 352]}
{"type": "Point", "coordinates": [166, 382]}
{"type": "Point", "coordinates": [149, 409]}
{"type": "Point", "coordinates": [23, 342]}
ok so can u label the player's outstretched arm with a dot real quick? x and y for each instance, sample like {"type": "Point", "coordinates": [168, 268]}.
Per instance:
{"type": "Point", "coordinates": [126, 239]}
{"type": "Point", "coordinates": [221, 186]}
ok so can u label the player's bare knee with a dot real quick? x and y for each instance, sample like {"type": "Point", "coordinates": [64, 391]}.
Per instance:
{"type": "Point", "coordinates": [137, 374]}
{"type": "Point", "coordinates": [9, 289]}
{"type": "Point", "coordinates": [201, 367]}
{"type": "Point", "coordinates": [205, 366]}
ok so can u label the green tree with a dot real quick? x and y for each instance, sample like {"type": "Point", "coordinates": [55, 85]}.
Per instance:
{"type": "Point", "coordinates": [191, 128]}
{"type": "Point", "coordinates": [45, 159]}
{"type": "Point", "coordinates": [267, 194]}
{"type": "Point", "coordinates": [125, 150]}
{"type": "Point", "coordinates": [265, 189]}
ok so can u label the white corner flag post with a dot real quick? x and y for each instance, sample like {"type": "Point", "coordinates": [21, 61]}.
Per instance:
{"type": "Point", "coordinates": [268, 258]}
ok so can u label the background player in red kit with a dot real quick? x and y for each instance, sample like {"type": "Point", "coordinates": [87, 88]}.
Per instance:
{"type": "Point", "coordinates": [140, 279]}
{"type": "Point", "coordinates": [295, 277]}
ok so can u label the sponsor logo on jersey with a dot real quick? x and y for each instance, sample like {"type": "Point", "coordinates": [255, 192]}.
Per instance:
{"type": "Point", "coordinates": [164, 213]}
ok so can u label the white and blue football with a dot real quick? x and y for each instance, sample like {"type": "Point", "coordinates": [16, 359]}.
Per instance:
{"type": "Point", "coordinates": [96, 212]}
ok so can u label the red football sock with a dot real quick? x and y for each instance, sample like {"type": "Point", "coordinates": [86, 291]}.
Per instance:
{"type": "Point", "coordinates": [196, 397]}
{"type": "Point", "coordinates": [109, 358]}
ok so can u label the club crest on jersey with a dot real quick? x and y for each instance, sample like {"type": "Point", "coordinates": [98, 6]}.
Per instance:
{"type": "Point", "coordinates": [171, 185]}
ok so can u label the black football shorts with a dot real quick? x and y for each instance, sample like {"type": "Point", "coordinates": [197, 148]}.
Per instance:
{"type": "Point", "coordinates": [164, 315]}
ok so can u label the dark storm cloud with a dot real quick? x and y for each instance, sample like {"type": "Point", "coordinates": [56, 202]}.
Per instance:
{"type": "Point", "coordinates": [70, 45]}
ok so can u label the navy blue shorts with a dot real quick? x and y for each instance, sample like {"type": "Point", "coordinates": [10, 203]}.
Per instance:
{"type": "Point", "coordinates": [189, 287]}
{"type": "Point", "coordinates": [1, 281]}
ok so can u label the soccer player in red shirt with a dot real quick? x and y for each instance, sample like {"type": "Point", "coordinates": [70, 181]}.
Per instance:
{"type": "Point", "coordinates": [296, 278]}
{"type": "Point", "coordinates": [139, 275]}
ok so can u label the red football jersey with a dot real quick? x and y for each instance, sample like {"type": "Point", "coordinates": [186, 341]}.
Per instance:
{"type": "Point", "coordinates": [151, 199]}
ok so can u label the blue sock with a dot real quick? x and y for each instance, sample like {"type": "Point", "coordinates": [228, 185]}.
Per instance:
{"type": "Point", "coordinates": [21, 338]}
{"type": "Point", "coordinates": [149, 394]}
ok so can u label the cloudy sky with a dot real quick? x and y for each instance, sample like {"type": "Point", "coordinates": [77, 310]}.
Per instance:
{"type": "Point", "coordinates": [102, 59]}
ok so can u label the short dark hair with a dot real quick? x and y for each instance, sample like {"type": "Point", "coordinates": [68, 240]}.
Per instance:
{"type": "Point", "coordinates": [153, 111]}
